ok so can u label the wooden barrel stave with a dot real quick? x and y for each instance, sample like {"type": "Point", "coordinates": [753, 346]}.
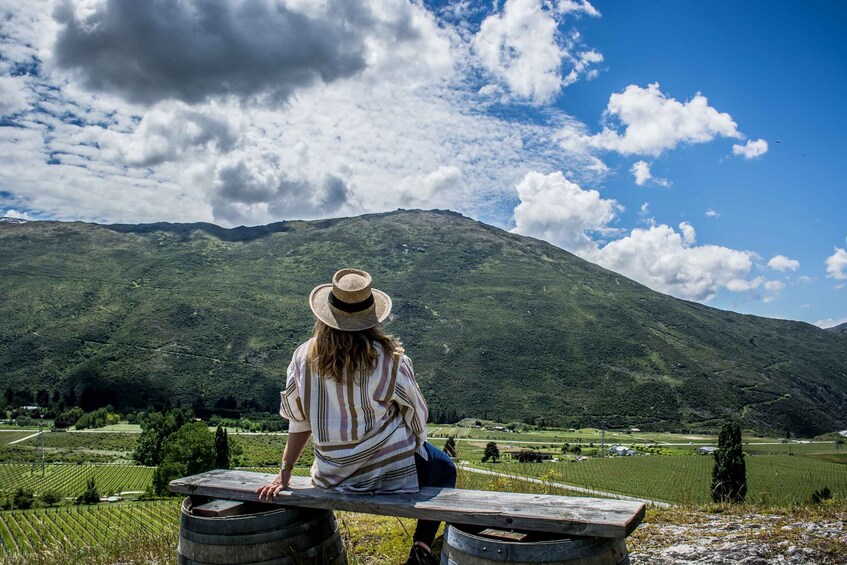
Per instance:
{"type": "Point", "coordinates": [463, 547]}
{"type": "Point", "coordinates": [280, 536]}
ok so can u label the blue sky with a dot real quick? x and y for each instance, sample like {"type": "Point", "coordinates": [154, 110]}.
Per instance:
{"type": "Point", "coordinates": [694, 147]}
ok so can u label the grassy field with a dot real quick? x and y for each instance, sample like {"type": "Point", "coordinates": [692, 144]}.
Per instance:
{"type": "Point", "coordinates": [772, 479]}
{"type": "Point", "coordinates": [69, 480]}
{"type": "Point", "coordinates": [8, 436]}
{"type": "Point", "coordinates": [70, 447]}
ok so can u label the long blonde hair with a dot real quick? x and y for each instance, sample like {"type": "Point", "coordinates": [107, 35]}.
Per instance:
{"type": "Point", "coordinates": [339, 355]}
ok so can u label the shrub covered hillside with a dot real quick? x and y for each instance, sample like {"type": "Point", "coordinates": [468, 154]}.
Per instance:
{"type": "Point", "coordinates": [499, 325]}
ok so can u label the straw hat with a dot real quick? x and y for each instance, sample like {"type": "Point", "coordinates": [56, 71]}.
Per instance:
{"type": "Point", "coordinates": [350, 304]}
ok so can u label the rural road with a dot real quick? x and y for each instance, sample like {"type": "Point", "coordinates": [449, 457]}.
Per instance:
{"type": "Point", "coordinates": [574, 488]}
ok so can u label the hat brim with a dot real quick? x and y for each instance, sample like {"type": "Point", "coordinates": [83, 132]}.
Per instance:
{"type": "Point", "coordinates": [344, 321]}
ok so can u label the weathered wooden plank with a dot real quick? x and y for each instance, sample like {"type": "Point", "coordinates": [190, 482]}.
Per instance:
{"type": "Point", "coordinates": [503, 535]}
{"type": "Point", "coordinates": [221, 508]}
{"type": "Point", "coordinates": [575, 516]}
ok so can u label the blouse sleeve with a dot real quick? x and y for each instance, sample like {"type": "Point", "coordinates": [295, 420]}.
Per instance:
{"type": "Point", "coordinates": [408, 396]}
{"type": "Point", "coordinates": [291, 405]}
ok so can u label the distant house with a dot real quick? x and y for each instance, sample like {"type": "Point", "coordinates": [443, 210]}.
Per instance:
{"type": "Point", "coordinates": [706, 450]}
{"type": "Point", "coordinates": [621, 451]}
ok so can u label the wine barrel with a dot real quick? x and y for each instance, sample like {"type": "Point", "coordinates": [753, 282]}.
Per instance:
{"type": "Point", "coordinates": [267, 535]}
{"type": "Point", "coordinates": [464, 546]}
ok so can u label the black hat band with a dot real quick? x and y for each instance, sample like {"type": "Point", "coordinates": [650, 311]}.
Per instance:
{"type": "Point", "coordinates": [350, 307]}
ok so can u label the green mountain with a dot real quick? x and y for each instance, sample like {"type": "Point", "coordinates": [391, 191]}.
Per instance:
{"type": "Point", "coordinates": [839, 329]}
{"type": "Point", "coordinates": [498, 325]}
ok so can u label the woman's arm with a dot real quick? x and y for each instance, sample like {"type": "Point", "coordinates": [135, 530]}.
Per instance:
{"type": "Point", "coordinates": [293, 449]}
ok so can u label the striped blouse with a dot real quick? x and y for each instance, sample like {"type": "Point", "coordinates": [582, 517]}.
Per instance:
{"type": "Point", "coordinates": [366, 431]}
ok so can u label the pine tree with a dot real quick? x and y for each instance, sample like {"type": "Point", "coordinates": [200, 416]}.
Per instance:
{"type": "Point", "coordinates": [221, 449]}
{"type": "Point", "coordinates": [91, 495]}
{"type": "Point", "coordinates": [729, 475]}
{"type": "Point", "coordinates": [450, 447]}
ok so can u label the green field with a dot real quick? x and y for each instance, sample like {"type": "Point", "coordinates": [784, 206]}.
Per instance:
{"type": "Point", "coordinates": [69, 529]}
{"type": "Point", "coordinates": [69, 480]}
{"type": "Point", "coordinates": [105, 441]}
{"type": "Point", "coordinates": [8, 436]}
{"type": "Point", "coordinates": [71, 447]}
{"type": "Point", "coordinates": [772, 479]}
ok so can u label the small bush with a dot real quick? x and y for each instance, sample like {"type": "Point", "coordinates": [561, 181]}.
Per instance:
{"type": "Point", "coordinates": [50, 497]}
{"type": "Point", "coordinates": [820, 495]}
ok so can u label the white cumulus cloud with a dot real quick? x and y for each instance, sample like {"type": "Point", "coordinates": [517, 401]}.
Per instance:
{"type": "Point", "coordinates": [751, 149]}
{"type": "Point", "coordinates": [641, 171]}
{"type": "Point", "coordinates": [836, 264]}
{"type": "Point", "coordinates": [12, 213]}
{"type": "Point", "coordinates": [556, 210]}
{"type": "Point", "coordinates": [664, 260]}
{"type": "Point", "coordinates": [774, 286]}
{"type": "Point", "coordinates": [783, 263]}
{"type": "Point", "coordinates": [646, 121]}
{"type": "Point", "coordinates": [667, 260]}
{"type": "Point", "coordinates": [710, 213]}
{"type": "Point", "coordinates": [522, 46]}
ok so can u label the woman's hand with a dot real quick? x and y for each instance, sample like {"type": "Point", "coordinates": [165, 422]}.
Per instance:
{"type": "Point", "coordinates": [273, 488]}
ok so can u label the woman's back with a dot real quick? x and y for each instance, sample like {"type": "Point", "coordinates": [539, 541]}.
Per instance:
{"type": "Point", "coordinates": [366, 428]}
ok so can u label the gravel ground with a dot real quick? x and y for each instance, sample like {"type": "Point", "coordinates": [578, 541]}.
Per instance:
{"type": "Point", "coordinates": [746, 538]}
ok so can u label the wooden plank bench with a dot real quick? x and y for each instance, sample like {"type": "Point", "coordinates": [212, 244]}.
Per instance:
{"type": "Point", "coordinates": [566, 515]}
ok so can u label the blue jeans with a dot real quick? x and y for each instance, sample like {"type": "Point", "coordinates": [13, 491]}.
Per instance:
{"type": "Point", "coordinates": [439, 471]}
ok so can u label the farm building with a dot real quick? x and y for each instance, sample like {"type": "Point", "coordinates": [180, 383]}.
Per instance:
{"type": "Point", "coordinates": [706, 450]}
{"type": "Point", "coordinates": [622, 451]}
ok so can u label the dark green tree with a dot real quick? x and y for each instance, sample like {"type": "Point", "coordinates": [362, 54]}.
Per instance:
{"type": "Point", "coordinates": [156, 427]}
{"type": "Point", "coordinates": [190, 450]}
{"type": "Point", "coordinates": [50, 497]}
{"type": "Point", "coordinates": [491, 453]}
{"type": "Point", "coordinates": [68, 418]}
{"type": "Point", "coordinates": [450, 447]}
{"type": "Point", "coordinates": [91, 495]}
{"type": "Point", "coordinates": [221, 448]}
{"type": "Point", "coordinates": [22, 499]}
{"type": "Point", "coordinates": [729, 475]}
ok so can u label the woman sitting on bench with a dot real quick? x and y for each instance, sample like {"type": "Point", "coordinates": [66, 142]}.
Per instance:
{"type": "Point", "coordinates": [352, 387]}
